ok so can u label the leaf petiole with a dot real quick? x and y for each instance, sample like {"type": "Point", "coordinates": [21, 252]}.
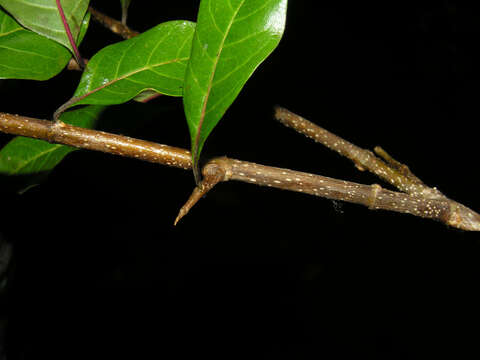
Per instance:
{"type": "Point", "coordinates": [76, 52]}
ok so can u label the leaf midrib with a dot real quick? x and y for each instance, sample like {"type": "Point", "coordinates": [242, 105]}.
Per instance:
{"type": "Point", "coordinates": [126, 76]}
{"type": "Point", "coordinates": [210, 82]}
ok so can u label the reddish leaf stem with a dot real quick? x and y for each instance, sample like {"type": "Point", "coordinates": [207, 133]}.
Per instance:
{"type": "Point", "coordinates": [76, 52]}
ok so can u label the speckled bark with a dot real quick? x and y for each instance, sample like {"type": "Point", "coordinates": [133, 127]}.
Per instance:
{"type": "Point", "coordinates": [391, 171]}
{"type": "Point", "coordinates": [418, 203]}
{"type": "Point", "coordinates": [61, 133]}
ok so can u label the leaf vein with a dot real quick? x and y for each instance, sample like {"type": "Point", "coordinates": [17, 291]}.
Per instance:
{"type": "Point", "coordinates": [125, 76]}
{"type": "Point", "coordinates": [119, 63]}
{"type": "Point", "coordinates": [29, 4]}
{"type": "Point", "coordinates": [159, 42]}
{"type": "Point", "coordinates": [27, 52]}
{"type": "Point", "coordinates": [11, 32]}
{"type": "Point", "coordinates": [212, 16]}
{"type": "Point", "coordinates": [258, 9]}
{"type": "Point", "coordinates": [239, 41]}
{"type": "Point", "coordinates": [24, 164]}
{"type": "Point", "coordinates": [212, 76]}
{"type": "Point", "coordinates": [229, 74]}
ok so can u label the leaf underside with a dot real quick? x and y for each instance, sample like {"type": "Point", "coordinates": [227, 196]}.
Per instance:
{"type": "Point", "coordinates": [154, 61]}
{"type": "Point", "coordinates": [231, 39]}
{"type": "Point", "coordinates": [43, 17]}
{"type": "Point", "coordinates": [27, 55]}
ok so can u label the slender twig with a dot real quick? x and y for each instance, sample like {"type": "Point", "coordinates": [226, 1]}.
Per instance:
{"type": "Point", "coordinates": [113, 25]}
{"type": "Point", "coordinates": [224, 169]}
{"type": "Point", "coordinates": [391, 171]}
{"type": "Point", "coordinates": [61, 133]}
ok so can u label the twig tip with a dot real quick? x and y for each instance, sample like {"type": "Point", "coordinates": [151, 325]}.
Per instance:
{"type": "Point", "coordinates": [214, 172]}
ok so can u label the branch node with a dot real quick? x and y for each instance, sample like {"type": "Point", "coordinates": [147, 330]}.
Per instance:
{"type": "Point", "coordinates": [359, 166]}
{"type": "Point", "coordinates": [461, 217]}
{"type": "Point", "coordinates": [373, 196]}
{"type": "Point", "coordinates": [397, 165]}
{"type": "Point", "coordinates": [213, 172]}
{"type": "Point", "coordinates": [415, 199]}
{"type": "Point", "coordinates": [74, 65]}
{"type": "Point", "coordinates": [53, 128]}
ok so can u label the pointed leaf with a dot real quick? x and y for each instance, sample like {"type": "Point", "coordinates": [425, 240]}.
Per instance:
{"type": "Point", "coordinates": [231, 39]}
{"type": "Point", "coordinates": [43, 17]}
{"type": "Point", "coordinates": [155, 60]}
{"type": "Point", "coordinates": [27, 55]}
{"type": "Point", "coordinates": [33, 159]}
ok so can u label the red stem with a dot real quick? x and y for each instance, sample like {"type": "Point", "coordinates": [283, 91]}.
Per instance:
{"type": "Point", "coordinates": [77, 55]}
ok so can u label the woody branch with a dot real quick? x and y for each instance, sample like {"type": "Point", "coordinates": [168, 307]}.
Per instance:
{"type": "Point", "coordinates": [225, 169]}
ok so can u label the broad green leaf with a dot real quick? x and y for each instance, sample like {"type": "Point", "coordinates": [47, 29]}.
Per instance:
{"type": "Point", "coordinates": [43, 17]}
{"type": "Point", "coordinates": [27, 55]}
{"type": "Point", "coordinates": [152, 61]}
{"type": "Point", "coordinates": [32, 159]}
{"type": "Point", "coordinates": [231, 39]}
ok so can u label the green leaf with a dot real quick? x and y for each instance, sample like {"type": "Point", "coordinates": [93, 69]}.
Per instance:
{"type": "Point", "coordinates": [27, 55]}
{"type": "Point", "coordinates": [153, 61]}
{"type": "Point", "coordinates": [43, 17]}
{"type": "Point", "coordinates": [231, 39]}
{"type": "Point", "coordinates": [31, 159]}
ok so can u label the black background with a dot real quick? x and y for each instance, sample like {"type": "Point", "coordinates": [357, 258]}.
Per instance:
{"type": "Point", "coordinates": [100, 270]}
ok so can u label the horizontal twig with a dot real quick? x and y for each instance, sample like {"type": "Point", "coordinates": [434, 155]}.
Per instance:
{"type": "Point", "coordinates": [372, 196]}
{"type": "Point", "coordinates": [61, 133]}
{"type": "Point", "coordinates": [224, 169]}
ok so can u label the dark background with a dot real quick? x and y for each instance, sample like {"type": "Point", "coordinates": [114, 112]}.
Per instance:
{"type": "Point", "coordinates": [100, 270]}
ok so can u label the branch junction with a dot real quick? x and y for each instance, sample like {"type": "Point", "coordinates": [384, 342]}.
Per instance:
{"type": "Point", "coordinates": [413, 198]}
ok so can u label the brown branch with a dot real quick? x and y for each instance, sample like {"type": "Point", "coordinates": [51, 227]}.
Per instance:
{"type": "Point", "coordinates": [61, 133]}
{"type": "Point", "coordinates": [390, 171]}
{"type": "Point", "coordinates": [213, 172]}
{"type": "Point", "coordinates": [113, 25]}
{"type": "Point", "coordinates": [224, 169]}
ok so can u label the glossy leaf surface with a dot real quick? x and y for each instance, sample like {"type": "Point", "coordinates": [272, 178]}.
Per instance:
{"type": "Point", "coordinates": [155, 60]}
{"type": "Point", "coordinates": [232, 38]}
{"type": "Point", "coordinates": [43, 17]}
{"type": "Point", "coordinates": [27, 55]}
{"type": "Point", "coordinates": [33, 159]}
